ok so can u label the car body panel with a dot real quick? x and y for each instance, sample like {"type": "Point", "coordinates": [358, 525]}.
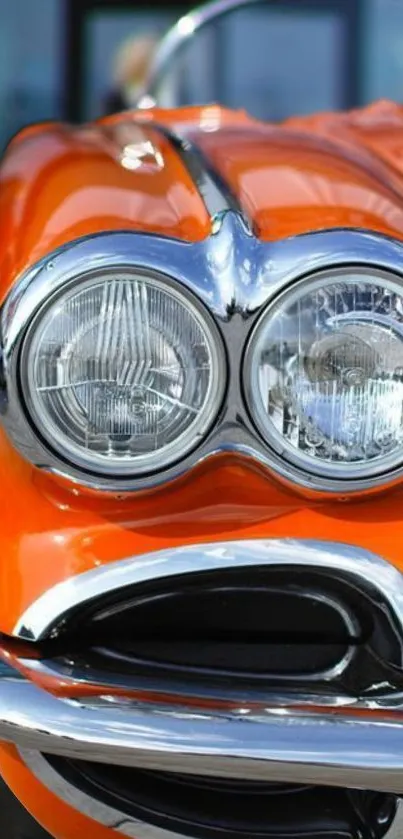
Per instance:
{"type": "Point", "coordinates": [63, 183]}
{"type": "Point", "coordinates": [56, 817]}
{"type": "Point", "coordinates": [310, 173]}
{"type": "Point", "coordinates": [58, 184]}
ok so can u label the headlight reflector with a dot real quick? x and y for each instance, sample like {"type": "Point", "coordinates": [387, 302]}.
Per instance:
{"type": "Point", "coordinates": [324, 373]}
{"type": "Point", "coordinates": [123, 372]}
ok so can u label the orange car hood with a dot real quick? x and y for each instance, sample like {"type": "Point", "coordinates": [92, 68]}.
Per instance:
{"type": "Point", "coordinates": [58, 183]}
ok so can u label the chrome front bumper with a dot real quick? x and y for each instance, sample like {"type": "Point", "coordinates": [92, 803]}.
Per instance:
{"type": "Point", "coordinates": [321, 746]}
{"type": "Point", "coordinates": [340, 741]}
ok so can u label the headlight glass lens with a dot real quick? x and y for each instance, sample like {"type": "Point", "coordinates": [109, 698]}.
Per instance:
{"type": "Point", "coordinates": [123, 373]}
{"type": "Point", "coordinates": [324, 373]}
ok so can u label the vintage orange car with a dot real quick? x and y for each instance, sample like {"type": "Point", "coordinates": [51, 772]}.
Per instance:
{"type": "Point", "coordinates": [201, 395]}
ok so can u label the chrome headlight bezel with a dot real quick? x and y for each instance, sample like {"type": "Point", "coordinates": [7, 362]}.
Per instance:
{"type": "Point", "coordinates": [235, 276]}
{"type": "Point", "coordinates": [320, 471]}
{"type": "Point", "coordinates": [152, 462]}
{"type": "Point", "coordinates": [72, 266]}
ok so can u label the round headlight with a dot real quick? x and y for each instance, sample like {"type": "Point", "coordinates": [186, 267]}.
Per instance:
{"type": "Point", "coordinates": [324, 374]}
{"type": "Point", "coordinates": [122, 373]}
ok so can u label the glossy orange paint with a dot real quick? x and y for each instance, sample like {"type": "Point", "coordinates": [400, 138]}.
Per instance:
{"type": "Point", "coordinates": [59, 183]}
{"type": "Point", "coordinates": [377, 128]}
{"type": "Point", "coordinates": [50, 533]}
{"type": "Point", "coordinates": [291, 181]}
{"type": "Point", "coordinates": [60, 820]}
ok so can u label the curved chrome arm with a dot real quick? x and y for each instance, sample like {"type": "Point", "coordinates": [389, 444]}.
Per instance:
{"type": "Point", "coordinates": [177, 37]}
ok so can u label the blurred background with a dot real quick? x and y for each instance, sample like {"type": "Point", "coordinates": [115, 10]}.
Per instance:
{"type": "Point", "coordinates": [63, 59]}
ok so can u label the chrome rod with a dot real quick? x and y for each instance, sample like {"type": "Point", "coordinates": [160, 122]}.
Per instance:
{"type": "Point", "coordinates": [177, 37]}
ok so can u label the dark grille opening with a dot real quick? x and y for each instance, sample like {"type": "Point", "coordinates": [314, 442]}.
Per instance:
{"type": "Point", "coordinates": [239, 630]}
{"type": "Point", "coordinates": [256, 625]}
{"type": "Point", "coordinates": [209, 808]}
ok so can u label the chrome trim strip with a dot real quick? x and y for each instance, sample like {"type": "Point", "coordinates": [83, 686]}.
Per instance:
{"type": "Point", "coordinates": [109, 687]}
{"type": "Point", "coordinates": [44, 618]}
{"type": "Point", "coordinates": [119, 821]}
{"type": "Point", "coordinates": [234, 274]}
{"type": "Point", "coordinates": [214, 191]}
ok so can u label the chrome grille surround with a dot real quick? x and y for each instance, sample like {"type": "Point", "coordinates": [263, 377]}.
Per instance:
{"type": "Point", "coordinates": [335, 740]}
{"type": "Point", "coordinates": [46, 615]}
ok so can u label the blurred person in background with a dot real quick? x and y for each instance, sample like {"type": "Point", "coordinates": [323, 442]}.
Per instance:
{"type": "Point", "coordinates": [131, 66]}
